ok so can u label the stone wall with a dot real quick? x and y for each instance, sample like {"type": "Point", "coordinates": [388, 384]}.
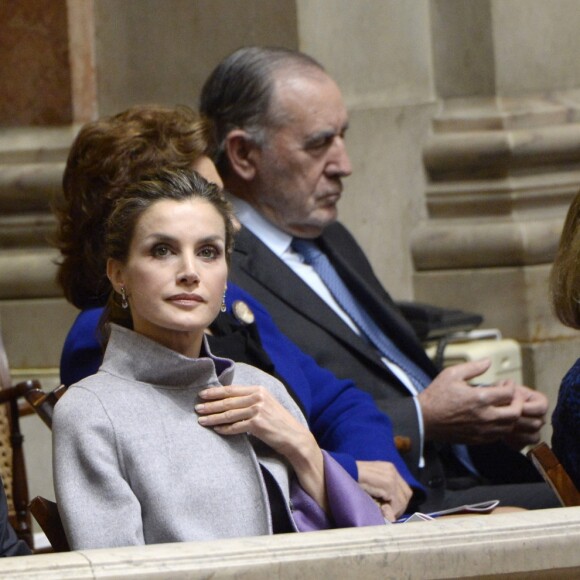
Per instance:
{"type": "Point", "coordinates": [503, 162]}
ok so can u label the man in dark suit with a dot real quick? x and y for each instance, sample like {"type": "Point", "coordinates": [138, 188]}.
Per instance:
{"type": "Point", "coordinates": [280, 123]}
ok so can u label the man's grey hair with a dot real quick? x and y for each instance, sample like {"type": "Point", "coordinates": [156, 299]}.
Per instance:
{"type": "Point", "coordinates": [238, 93]}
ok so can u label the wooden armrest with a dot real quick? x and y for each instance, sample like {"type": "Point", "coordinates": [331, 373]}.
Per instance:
{"type": "Point", "coordinates": [44, 403]}
{"type": "Point", "coordinates": [58, 392]}
{"type": "Point", "coordinates": [12, 393]}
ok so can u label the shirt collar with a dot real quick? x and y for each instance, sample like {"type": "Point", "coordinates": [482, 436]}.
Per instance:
{"type": "Point", "coordinates": [272, 236]}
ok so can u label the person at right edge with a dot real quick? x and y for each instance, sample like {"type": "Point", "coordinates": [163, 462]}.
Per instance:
{"type": "Point", "coordinates": [565, 284]}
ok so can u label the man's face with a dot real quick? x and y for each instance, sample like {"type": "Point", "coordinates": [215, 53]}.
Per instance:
{"type": "Point", "coordinates": [299, 169]}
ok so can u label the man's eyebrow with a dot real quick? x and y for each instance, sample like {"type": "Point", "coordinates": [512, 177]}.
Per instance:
{"type": "Point", "coordinates": [322, 136]}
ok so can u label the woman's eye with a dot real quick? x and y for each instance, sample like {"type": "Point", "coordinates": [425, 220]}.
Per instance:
{"type": "Point", "coordinates": [160, 251]}
{"type": "Point", "coordinates": [209, 253]}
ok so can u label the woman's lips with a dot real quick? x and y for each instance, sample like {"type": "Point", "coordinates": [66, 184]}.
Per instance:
{"type": "Point", "coordinates": [186, 299]}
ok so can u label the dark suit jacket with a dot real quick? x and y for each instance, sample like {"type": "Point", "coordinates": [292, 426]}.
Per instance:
{"type": "Point", "coordinates": [311, 324]}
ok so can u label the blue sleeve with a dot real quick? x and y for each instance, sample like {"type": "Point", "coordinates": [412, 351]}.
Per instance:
{"type": "Point", "coordinates": [82, 353]}
{"type": "Point", "coordinates": [344, 419]}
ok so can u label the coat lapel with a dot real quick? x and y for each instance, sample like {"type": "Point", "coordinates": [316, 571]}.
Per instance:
{"type": "Point", "coordinates": [258, 262]}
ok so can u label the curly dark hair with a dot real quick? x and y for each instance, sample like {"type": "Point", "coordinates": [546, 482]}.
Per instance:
{"type": "Point", "coordinates": [105, 158]}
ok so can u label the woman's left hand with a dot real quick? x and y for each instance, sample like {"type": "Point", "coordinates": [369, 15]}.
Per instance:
{"type": "Point", "coordinates": [235, 409]}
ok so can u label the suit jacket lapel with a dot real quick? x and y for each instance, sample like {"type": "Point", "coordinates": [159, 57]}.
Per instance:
{"type": "Point", "coordinates": [263, 266]}
{"type": "Point", "coordinates": [366, 287]}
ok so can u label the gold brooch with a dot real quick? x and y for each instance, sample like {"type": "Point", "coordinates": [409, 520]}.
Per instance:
{"type": "Point", "coordinates": [243, 312]}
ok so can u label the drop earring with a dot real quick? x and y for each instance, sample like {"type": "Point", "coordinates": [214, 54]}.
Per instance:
{"type": "Point", "coordinates": [223, 307]}
{"type": "Point", "coordinates": [124, 303]}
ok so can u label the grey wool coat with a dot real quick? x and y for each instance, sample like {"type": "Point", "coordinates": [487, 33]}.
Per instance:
{"type": "Point", "coordinates": [132, 465]}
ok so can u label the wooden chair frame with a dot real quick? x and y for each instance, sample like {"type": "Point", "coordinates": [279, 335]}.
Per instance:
{"type": "Point", "coordinates": [554, 474]}
{"type": "Point", "coordinates": [35, 400]}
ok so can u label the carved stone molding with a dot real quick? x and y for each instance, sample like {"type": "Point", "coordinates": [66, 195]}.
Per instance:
{"type": "Point", "coordinates": [27, 187]}
{"type": "Point", "coordinates": [534, 544]}
{"type": "Point", "coordinates": [28, 273]}
{"type": "Point", "coordinates": [501, 173]}
{"type": "Point", "coordinates": [31, 167]}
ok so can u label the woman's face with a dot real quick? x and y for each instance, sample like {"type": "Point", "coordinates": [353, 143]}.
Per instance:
{"type": "Point", "coordinates": [176, 272]}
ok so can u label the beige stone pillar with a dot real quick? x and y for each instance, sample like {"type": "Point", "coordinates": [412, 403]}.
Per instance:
{"type": "Point", "coordinates": [503, 161]}
{"type": "Point", "coordinates": [46, 64]}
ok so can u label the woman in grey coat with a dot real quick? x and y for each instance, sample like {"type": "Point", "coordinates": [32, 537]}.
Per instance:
{"type": "Point", "coordinates": [166, 442]}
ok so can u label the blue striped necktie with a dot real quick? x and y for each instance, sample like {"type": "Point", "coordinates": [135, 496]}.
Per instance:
{"type": "Point", "coordinates": [317, 259]}
{"type": "Point", "coordinates": [314, 256]}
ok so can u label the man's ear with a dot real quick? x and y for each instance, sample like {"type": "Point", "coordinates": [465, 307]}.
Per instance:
{"type": "Point", "coordinates": [242, 153]}
{"type": "Point", "coordinates": [115, 274]}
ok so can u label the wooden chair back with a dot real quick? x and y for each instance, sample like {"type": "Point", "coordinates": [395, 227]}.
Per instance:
{"type": "Point", "coordinates": [554, 474]}
{"type": "Point", "coordinates": [45, 512]}
{"type": "Point", "coordinates": [43, 403]}
{"type": "Point", "coordinates": [12, 466]}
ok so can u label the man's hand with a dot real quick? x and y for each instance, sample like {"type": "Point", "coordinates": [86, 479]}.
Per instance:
{"type": "Point", "coordinates": [382, 481]}
{"type": "Point", "coordinates": [526, 430]}
{"type": "Point", "coordinates": [456, 412]}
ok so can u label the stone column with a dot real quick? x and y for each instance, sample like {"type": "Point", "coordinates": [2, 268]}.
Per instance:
{"type": "Point", "coordinates": [45, 64]}
{"type": "Point", "coordinates": [503, 162]}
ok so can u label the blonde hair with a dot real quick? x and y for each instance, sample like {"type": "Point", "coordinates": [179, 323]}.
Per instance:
{"type": "Point", "coordinates": [565, 275]}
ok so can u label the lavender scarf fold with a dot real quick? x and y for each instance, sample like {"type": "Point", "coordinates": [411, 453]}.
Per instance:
{"type": "Point", "coordinates": [349, 504]}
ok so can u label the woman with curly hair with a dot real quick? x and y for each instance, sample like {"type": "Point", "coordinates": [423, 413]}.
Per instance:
{"type": "Point", "coordinates": [107, 155]}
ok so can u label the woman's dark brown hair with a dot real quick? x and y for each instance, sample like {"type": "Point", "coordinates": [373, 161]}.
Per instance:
{"type": "Point", "coordinates": [106, 157]}
{"type": "Point", "coordinates": [565, 276]}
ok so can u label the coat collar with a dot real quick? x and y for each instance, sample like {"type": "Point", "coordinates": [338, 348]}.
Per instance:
{"type": "Point", "coordinates": [161, 366]}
